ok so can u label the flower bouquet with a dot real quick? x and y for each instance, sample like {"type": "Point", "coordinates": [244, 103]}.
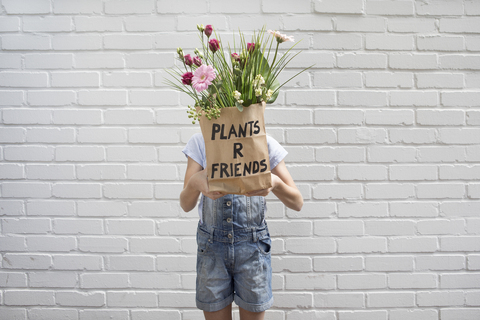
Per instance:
{"type": "Point", "coordinates": [230, 88]}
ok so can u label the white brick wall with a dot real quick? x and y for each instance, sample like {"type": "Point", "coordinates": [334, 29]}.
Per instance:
{"type": "Point", "coordinates": [384, 141]}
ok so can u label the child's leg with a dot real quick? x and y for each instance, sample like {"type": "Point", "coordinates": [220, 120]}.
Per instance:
{"type": "Point", "coordinates": [224, 314]}
{"type": "Point", "coordinates": [248, 315]}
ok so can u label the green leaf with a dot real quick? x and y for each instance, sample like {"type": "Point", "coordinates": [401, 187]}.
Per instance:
{"type": "Point", "coordinates": [239, 106]}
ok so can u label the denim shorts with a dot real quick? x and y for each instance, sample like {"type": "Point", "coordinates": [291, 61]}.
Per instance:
{"type": "Point", "coordinates": [234, 266]}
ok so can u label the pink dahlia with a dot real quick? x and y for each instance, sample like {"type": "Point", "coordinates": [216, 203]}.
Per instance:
{"type": "Point", "coordinates": [208, 30]}
{"type": "Point", "coordinates": [188, 60]}
{"type": "Point", "coordinates": [203, 77]}
{"type": "Point", "coordinates": [197, 61]}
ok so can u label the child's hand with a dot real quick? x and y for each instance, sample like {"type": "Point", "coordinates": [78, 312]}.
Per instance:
{"type": "Point", "coordinates": [201, 184]}
{"type": "Point", "coordinates": [264, 192]}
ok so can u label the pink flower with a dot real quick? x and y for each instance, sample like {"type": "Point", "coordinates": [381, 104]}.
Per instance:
{"type": "Point", "coordinates": [208, 30]}
{"type": "Point", "coordinates": [188, 60]}
{"type": "Point", "coordinates": [197, 61]}
{"type": "Point", "coordinates": [250, 47]}
{"type": "Point", "coordinates": [280, 37]}
{"type": "Point", "coordinates": [203, 77]}
{"type": "Point", "coordinates": [235, 56]}
{"type": "Point", "coordinates": [214, 45]}
{"type": "Point", "coordinates": [187, 78]}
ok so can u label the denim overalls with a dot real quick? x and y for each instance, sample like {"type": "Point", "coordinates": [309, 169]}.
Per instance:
{"type": "Point", "coordinates": [233, 258]}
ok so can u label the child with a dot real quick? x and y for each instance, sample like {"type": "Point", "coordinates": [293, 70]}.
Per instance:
{"type": "Point", "coordinates": [233, 256]}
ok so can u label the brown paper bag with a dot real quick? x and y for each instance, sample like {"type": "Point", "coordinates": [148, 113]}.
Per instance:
{"type": "Point", "coordinates": [237, 150]}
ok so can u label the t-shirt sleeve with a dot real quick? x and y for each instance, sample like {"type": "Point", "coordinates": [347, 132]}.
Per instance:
{"type": "Point", "coordinates": [195, 150]}
{"type": "Point", "coordinates": [276, 152]}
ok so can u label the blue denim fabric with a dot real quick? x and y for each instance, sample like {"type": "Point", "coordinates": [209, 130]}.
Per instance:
{"type": "Point", "coordinates": [233, 257]}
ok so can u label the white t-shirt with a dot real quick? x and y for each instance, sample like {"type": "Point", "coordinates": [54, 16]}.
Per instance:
{"type": "Point", "coordinates": [195, 149]}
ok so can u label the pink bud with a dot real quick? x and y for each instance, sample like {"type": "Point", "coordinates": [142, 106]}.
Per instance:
{"type": "Point", "coordinates": [208, 30]}
{"type": "Point", "coordinates": [188, 60]}
{"type": "Point", "coordinates": [250, 47]}
{"type": "Point", "coordinates": [235, 56]}
{"type": "Point", "coordinates": [197, 61]}
{"type": "Point", "coordinates": [214, 45]}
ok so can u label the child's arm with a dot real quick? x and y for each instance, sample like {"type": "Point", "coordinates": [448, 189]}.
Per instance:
{"type": "Point", "coordinates": [195, 182]}
{"type": "Point", "coordinates": [283, 187]}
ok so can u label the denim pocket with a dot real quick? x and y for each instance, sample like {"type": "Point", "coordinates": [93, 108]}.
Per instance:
{"type": "Point", "coordinates": [264, 245]}
{"type": "Point", "coordinates": [202, 243]}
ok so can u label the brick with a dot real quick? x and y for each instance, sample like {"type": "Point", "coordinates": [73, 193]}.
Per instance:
{"type": "Point", "coordinates": [130, 227]}
{"type": "Point", "coordinates": [107, 314]}
{"type": "Point", "coordinates": [459, 313]}
{"type": "Point", "coordinates": [361, 135]}
{"type": "Point", "coordinates": [389, 7]}
{"type": "Point", "coordinates": [390, 299]}
{"type": "Point", "coordinates": [441, 190]}
{"type": "Point", "coordinates": [389, 42]}
{"type": "Point", "coordinates": [389, 228]}
{"type": "Point", "coordinates": [332, 6]}
{"type": "Point", "coordinates": [312, 172]}
{"type": "Point", "coordinates": [441, 154]}
{"type": "Point", "coordinates": [310, 98]}
{"type": "Point", "coordinates": [473, 262]}
{"type": "Point", "coordinates": [102, 244]}
{"type": "Point", "coordinates": [98, 24]}
{"type": "Point", "coordinates": [440, 117]}
{"type": "Point", "coordinates": [168, 191]}
{"type": "Point", "coordinates": [389, 191]}
{"type": "Point", "coordinates": [471, 298]}
{"type": "Point", "coordinates": [361, 172]}
{"type": "Point", "coordinates": [300, 154]}
{"type": "Point", "coordinates": [288, 116]}
{"type": "Point", "coordinates": [128, 191]}
{"type": "Point", "coordinates": [99, 60]}
{"type": "Point", "coordinates": [461, 209]}
{"type": "Point", "coordinates": [363, 244]}
{"type": "Point", "coordinates": [438, 8]}
{"type": "Point", "coordinates": [101, 208]}
{"type": "Point", "coordinates": [27, 261]}
{"type": "Point", "coordinates": [412, 281]}
{"type": "Point", "coordinates": [131, 299]}
{"type": "Point", "coordinates": [463, 172]}
{"type": "Point", "coordinates": [129, 154]}
{"type": "Point", "coordinates": [148, 280]}
{"type": "Point", "coordinates": [137, 116]}
{"type": "Point", "coordinates": [298, 264]}
{"type": "Point", "coordinates": [317, 59]}
{"type": "Point", "coordinates": [460, 62]}
{"type": "Point", "coordinates": [80, 153]}
{"type": "Point", "coordinates": [101, 135]}
{"type": "Point", "coordinates": [412, 136]}
{"type": "Point", "coordinates": [101, 172]}
{"type": "Point", "coordinates": [460, 99]}
{"type": "Point", "coordinates": [77, 191]}
{"type": "Point", "coordinates": [306, 22]}
{"type": "Point", "coordinates": [338, 117]}
{"type": "Point", "coordinates": [361, 60]}
{"type": "Point", "coordinates": [338, 79]}
{"type": "Point", "coordinates": [129, 7]}
{"type": "Point", "coordinates": [461, 281]}
{"type": "Point", "coordinates": [11, 208]}
{"type": "Point", "coordinates": [176, 263]}
{"type": "Point", "coordinates": [164, 6]}
{"type": "Point", "coordinates": [77, 42]}
{"type": "Point", "coordinates": [26, 190]}
{"type": "Point", "coordinates": [473, 117]}
{"type": "Point", "coordinates": [11, 98]}
{"type": "Point", "coordinates": [47, 24]}
{"type": "Point", "coordinates": [362, 98]}
{"type": "Point", "coordinates": [310, 245]}
{"type": "Point", "coordinates": [459, 243]}
{"type": "Point", "coordinates": [23, 79]}
{"type": "Point", "coordinates": [75, 7]}
{"type": "Point", "coordinates": [29, 298]}
{"type": "Point", "coordinates": [340, 154]}
{"type": "Point", "coordinates": [272, 6]}
{"type": "Point", "coordinates": [310, 136]}
{"type": "Point", "coordinates": [49, 61]}
{"type": "Point", "coordinates": [13, 244]}
{"type": "Point", "coordinates": [26, 42]}
{"type": "Point", "coordinates": [128, 41]}
{"type": "Point", "coordinates": [464, 25]}
{"type": "Point", "coordinates": [75, 226]}
{"type": "Point", "coordinates": [130, 263]}
{"type": "Point", "coordinates": [26, 6]}
{"type": "Point", "coordinates": [77, 262]}
{"type": "Point", "coordinates": [365, 209]}
{"type": "Point", "coordinates": [440, 299]}
{"type": "Point", "coordinates": [291, 228]}
{"type": "Point", "coordinates": [50, 172]}
{"type": "Point", "coordinates": [104, 97]}
{"type": "Point", "coordinates": [413, 61]}
{"type": "Point", "coordinates": [389, 80]}
{"type": "Point", "coordinates": [11, 171]}
{"type": "Point", "coordinates": [337, 42]}
{"type": "Point", "coordinates": [120, 79]}
{"type": "Point", "coordinates": [389, 117]}
{"type": "Point", "coordinates": [52, 279]}
{"type": "Point", "coordinates": [472, 7]}
{"type": "Point", "coordinates": [80, 299]}
{"type": "Point", "coordinates": [75, 79]}
{"type": "Point", "coordinates": [362, 281]}
{"type": "Point", "coordinates": [149, 60]}
{"type": "Point", "coordinates": [413, 98]}
{"type": "Point", "coordinates": [389, 263]}
{"type": "Point", "coordinates": [406, 172]}
{"type": "Point", "coordinates": [50, 244]}
{"type": "Point", "coordinates": [309, 282]}
{"type": "Point", "coordinates": [44, 314]}
{"type": "Point", "coordinates": [414, 25]}
{"type": "Point", "coordinates": [50, 208]}
{"type": "Point", "coordinates": [440, 43]}
{"type": "Point", "coordinates": [338, 300]}
{"type": "Point", "coordinates": [14, 313]}
{"type": "Point", "coordinates": [13, 279]}
{"type": "Point", "coordinates": [416, 244]}
{"type": "Point", "coordinates": [427, 314]}
{"type": "Point", "coordinates": [9, 24]}
{"type": "Point", "coordinates": [360, 24]}
{"type": "Point", "coordinates": [154, 245]}
{"type": "Point", "coordinates": [26, 116]}
{"type": "Point", "coordinates": [337, 191]}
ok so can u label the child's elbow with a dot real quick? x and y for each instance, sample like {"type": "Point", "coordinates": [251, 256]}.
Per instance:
{"type": "Point", "coordinates": [298, 205]}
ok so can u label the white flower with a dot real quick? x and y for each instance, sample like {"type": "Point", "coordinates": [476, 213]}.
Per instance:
{"type": "Point", "coordinates": [281, 37]}
{"type": "Point", "coordinates": [236, 95]}
{"type": "Point", "coordinates": [269, 94]}
{"type": "Point", "coordinates": [258, 92]}
{"type": "Point", "coordinates": [240, 101]}
{"type": "Point", "coordinates": [258, 81]}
